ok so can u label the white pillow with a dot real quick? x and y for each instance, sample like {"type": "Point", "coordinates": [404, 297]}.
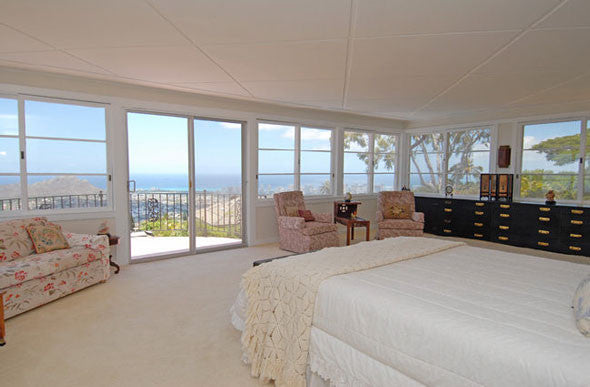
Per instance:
{"type": "Point", "coordinates": [581, 304]}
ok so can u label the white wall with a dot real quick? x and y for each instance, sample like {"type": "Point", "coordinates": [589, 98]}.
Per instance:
{"type": "Point", "coordinates": [120, 97]}
{"type": "Point", "coordinates": [261, 222]}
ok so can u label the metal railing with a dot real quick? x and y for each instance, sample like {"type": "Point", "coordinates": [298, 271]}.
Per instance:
{"type": "Point", "coordinates": [166, 213]}
{"type": "Point", "coordinates": [55, 202]}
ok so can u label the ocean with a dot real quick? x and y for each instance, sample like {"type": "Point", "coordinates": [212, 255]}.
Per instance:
{"type": "Point", "coordinates": [209, 182]}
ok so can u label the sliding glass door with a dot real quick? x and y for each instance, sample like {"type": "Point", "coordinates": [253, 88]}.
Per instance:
{"type": "Point", "coordinates": [218, 183]}
{"type": "Point", "coordinates": [185, 184]}
{"type": "Point", "coordinates": [159, 184]}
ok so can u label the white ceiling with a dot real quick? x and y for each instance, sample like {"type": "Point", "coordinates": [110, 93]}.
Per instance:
{"type": "Point", "coordinates": [416, 60]}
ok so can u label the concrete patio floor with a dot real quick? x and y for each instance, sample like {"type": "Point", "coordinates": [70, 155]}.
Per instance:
{"type": "Point", "coordinates": [146, 245]}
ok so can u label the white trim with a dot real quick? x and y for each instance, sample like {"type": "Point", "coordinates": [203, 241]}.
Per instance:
{"type": "Point", "coordinates": [581, 166]}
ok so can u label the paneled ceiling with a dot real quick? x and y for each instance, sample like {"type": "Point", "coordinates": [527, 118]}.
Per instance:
{"type": "Point", "coordinates": [415, 60]}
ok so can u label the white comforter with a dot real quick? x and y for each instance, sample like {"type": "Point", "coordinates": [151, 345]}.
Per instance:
{"type": "Point", "coordinates": [466, 316]}
{"type": "Point", "coordinates": [462, 317]}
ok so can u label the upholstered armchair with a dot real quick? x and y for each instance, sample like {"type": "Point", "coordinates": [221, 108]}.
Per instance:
{"type": "Point", "coordinates": [396, 215]}
{"type": "Point", "coordinates": [295, 233]}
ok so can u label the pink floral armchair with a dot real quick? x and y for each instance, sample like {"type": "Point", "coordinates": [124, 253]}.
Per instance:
{"type": "Point", "coordinates": [387, 228]}
{"type": "Point", "coordinates": [298, 235]}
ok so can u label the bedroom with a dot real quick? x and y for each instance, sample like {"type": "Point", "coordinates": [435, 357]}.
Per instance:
{"type": "Point", "coordinates": [334, 74]}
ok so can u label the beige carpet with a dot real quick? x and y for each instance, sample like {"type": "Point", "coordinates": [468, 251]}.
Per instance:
{"type": "Point", "coordinates": [162, 323]}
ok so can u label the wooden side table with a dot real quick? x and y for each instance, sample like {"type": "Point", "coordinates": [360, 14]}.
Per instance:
{"type": "Point", "coordinates": [113, 241]}
{"type": "Point", "coordinates": [350, 224]}
{"type": "Point", "coordinates": [2, 326]}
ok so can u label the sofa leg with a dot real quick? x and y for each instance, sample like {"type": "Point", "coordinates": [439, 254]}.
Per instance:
{"type": "Point", "coordinates": [2, 326]}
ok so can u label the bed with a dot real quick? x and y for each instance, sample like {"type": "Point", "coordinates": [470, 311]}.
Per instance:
{"type": "Point", "coordinates": [461, 317]}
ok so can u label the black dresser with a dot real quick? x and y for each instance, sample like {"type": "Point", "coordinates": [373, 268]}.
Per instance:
{"type": "Point", "coordinates": [560, 228]}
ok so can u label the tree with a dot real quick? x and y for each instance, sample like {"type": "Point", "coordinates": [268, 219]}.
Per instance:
{"type": "Point", "coordinates": [562, 150]}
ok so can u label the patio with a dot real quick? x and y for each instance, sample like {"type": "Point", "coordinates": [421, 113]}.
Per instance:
{"type": "Point", "coordinates": [143, 245]}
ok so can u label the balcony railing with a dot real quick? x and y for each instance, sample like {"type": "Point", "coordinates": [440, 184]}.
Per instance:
{"type": "Point", "coordinates": [56, 202]}
{"type": "Point", "coordinates": [159, 213]}
{"type": "Point", "coordinates": [166, 213]}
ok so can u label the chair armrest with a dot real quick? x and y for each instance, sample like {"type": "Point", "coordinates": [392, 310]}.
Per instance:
{"type": "Point", "coordinates": [323, 217]}
{"type": "Point", "coordinates": [379, 217]}
{"type": "Point", "coordinates": [93, 242]}
{"type": "Point", "coordinates": [418, 217]}
{"type": "Point", "coordinates": [291, 222]}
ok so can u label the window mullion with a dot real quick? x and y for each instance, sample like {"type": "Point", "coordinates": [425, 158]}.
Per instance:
{"type": "Point", "coordinates": [23, 156]}
{"type": "Point", "coordinates": [582, 160]}
{"type": "Point", "coordinates": [297, 158]}
{"type": "Point", "coordinates": [371, 176]}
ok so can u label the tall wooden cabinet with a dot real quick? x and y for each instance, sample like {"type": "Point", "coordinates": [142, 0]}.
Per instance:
{"type": "Point", "coordinates": [561, 228]}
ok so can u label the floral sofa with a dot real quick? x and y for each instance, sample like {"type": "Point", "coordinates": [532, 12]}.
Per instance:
{"type": "Point", "coordinates": [30, 280]}
{"type": "Point", "coordinates": [297, 235]}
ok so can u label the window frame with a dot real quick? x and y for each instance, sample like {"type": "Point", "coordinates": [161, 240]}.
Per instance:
{"type": "Point", "coordinates": [24, 174]}
{"type": "Point", "coordinates": [445, 132]}
{"type": "Point", "coordinates": [296, 157]}
{"type": "Point", "coordinates": [584, 122]}
{"type": "Point", "coordinates": [371, 152]}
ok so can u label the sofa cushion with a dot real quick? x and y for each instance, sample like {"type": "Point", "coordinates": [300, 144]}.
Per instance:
{"type": "Point", "coordinates": [40, 265]}
{"type": "Point", "coordinates": [307, 215]}
{"type": "Point", "coordinates": [398, 211]}
{"type": "Point", "coordinates": [402, 224]}
{"type": "Point", "coordinates": [47, 238]}
{"type": "Point", "coordinates": [314, 228]}
{"type": "Point", "coordinates": [14, 239]}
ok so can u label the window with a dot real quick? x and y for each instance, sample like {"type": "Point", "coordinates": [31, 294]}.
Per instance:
{"type": "Point", "coordinates": [552, 159]}
{"type": "Point", "coordinates": [469, 156]}
{"type": "Point", "coordinates": [294, 157]}
{"type": "Point", "coordinates": [427, 162]}
{"type": "Point", "coordinates": [58, 162]}
{"type": "Point", "coordinates": [370, 161]}
{"type": "Point", "coordinates": [455, 157]}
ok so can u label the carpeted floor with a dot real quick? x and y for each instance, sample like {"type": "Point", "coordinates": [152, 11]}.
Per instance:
{"type": "Point", "coordinates": [163, 323]}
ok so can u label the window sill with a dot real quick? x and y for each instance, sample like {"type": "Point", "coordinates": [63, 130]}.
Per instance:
{"type": "Point", "coordinates": [63, 215]}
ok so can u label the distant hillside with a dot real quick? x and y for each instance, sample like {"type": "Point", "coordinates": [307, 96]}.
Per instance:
{"type": "Point", "coordinates": [61, 185]}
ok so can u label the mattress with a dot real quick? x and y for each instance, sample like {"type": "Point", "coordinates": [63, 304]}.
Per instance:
{"type": "Point", "coordinates": [462, 317]}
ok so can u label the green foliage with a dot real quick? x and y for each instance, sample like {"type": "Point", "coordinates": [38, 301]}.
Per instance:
{"type": "Point", "coordinates": [560, 150]}
{"type": "Point", "coordinates": [168, 227]}
{"type": "Point", "coordinates": [536, 183]}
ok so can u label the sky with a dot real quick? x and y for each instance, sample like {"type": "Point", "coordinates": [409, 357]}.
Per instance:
{"type": "Point", "coordinates": [159, 145]}
{"type": "Point", "coordinates": [53, 120]}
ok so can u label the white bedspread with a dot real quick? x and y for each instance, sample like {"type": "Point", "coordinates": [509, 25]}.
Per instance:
{"type": "Point", "coordinates": [466, 316]}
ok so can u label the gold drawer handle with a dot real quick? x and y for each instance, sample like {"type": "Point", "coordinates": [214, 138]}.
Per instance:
{"type": "Point", "coordinates": [544, 219]}
{"type": "Point", "coordinates": [504, 205]}
{"type": "Point", "coordinates": [575, 248]}
{"type": "Point", "coordinates": [478, 212]}
{"type": "Point", "coordinates": [477, 224]}
{"type": "Point", "coordinates": [479, 204]}
{"type": "Point", "coordinates": [578, 222]}
{"type": "Point", "coordinates": [505, 215]}
{"type": "Point", "coordinates": [503, 238]}
{"type": "Point", "coordinates": [448, 210]}
{"type": "Point", "coordinates": [543, 244]}
{"type": "Point", "coordinates": [478, 235]}
{"type": "Point", "coordinates": [544, 209]}
{"type": "Point", "coordinates": [575, 235]}
{"type": "Point", "coordinates": [447, 231]}
{"type": "Point", "coordinates": [504, 227]}
{"type": "Point", "coordinates": [578, 212]}
{"type": "Point", "coordinates": [545, 232]}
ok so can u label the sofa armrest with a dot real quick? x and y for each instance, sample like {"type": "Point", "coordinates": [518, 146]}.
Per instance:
{"type": "Point", "coordinates": [291, 222]}
{"type": "Point", "coordinates": [323, 217]}
{"type": "Point", "coordinates": [94, 242]}
{"type": "Point", "coordinates": [379, 216]}
{"type": "Point", "coordinates": [418, 217]}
